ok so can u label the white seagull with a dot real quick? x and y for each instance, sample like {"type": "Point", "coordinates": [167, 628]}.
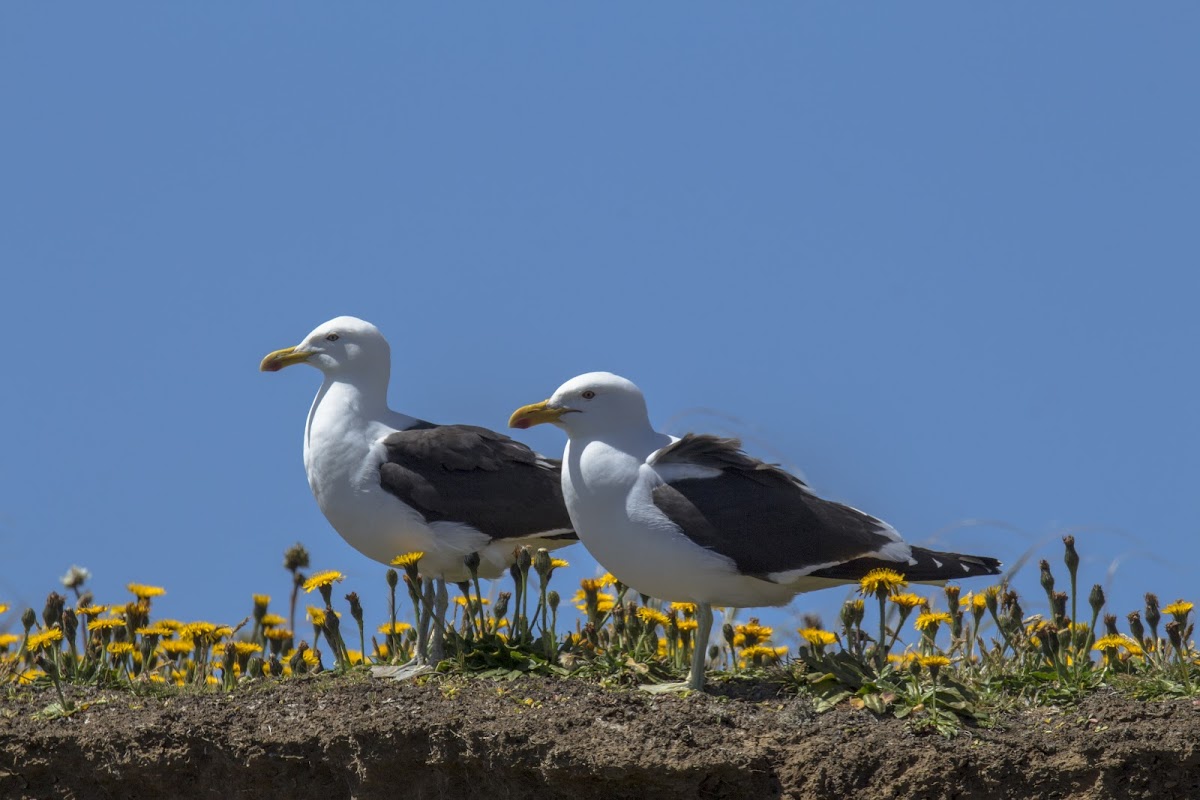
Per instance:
{"type": "Point", "coordinates": [392, 484]}
{"type": "Point", "coordinates": [695, 519]}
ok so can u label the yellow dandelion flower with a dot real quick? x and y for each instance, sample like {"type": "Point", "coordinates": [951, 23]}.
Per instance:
{"type": "Point", "coordinates": [592, 584]}
{"type": "Point", "coordinates": [211, 680]}
{"type": "Point", "coordinates": [277, 633]}
{"type": "Point", "coordinates": [1179, 608]}
{"type": "Point", "coordinates": [408, 559]}
{"type": "Point", "coordinates": [931, 619]}
{"type": "Point", "coordinates": [687, 625]}
{"type": "Point", "coordinates": [325, 578]}
{"type": "Point", "coordinates": [177, 647]}
{"type": "Point", "coordinates": [272, 621]}
{"type": "Point", "coordinates": [908, 600]}
{"type": "Point", "coordinates": [764, 654]}
{"type": "Point", "coordinates": [978, 602]}
{"type": "Point", "coordinates": [156, 678]}
{"type": "Point", "coordinates": [143, 592]}
{"type": "Point", "coordinates": [753, 633]}
{"type": "Point", "coordinates": [222, 631]}
{"type": "Point", "coordinates": [3, 607]}
{"type": "Point", "coordinates": [556, 563]}
{"type": "Point", "coordinates": [387, 630]}
{"type": "Point", "coordinates": [604, 601]}
{"type": "Point", "coordinates": [120, 648]}
{"type": "Point", "coordinates": [154, 630]}
{"type": "Point", "coordinates": [91, 611]}
{"type": "Point", "coordinates": [44, 639]}
{"type": "Point", "coordinates": [663, 648]}
{"type": "Point", "coordinates": [684, 608]}
{"type": "Point", "coordinates": [192, 630]}
{"type": "Point", "coordinates": [317, 615]}
{"type": "Point", "coordinates": [178, 677]}
{"type": "Point", "coordinates": [30, 675]}
{"type": "Point", "coordinates": [246, 648]}
{"type": "Point", "coordinates": [1110, 642]}
{"type": "Point", "coordinates": [902, 659]}
{"type": "Point", "coordinates": [880, 582]}
{"type": "Point", "coordinates": [108, 623]}
{"type": "Point", "coordinates": [817, 637]}
{"type": "Point", "coordinates": [310, 657]}
{"type": "Point", "coordinates": [261, 599]}
{"type": "Point", "coordinates": [934, 661]}
{"type": "Point", "coordinates": [462, 601]}
{"type": "Point", "coordinates": [8, 638]}
{"type": "Point", "coordinates": [652, 616]}
{"type": "Point", "coordinates": [608, 579]}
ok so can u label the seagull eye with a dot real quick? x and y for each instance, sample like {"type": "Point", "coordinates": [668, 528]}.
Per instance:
{"type": "Point", "coordinates": [588, 395]}
{"type": "Point", "coordinates": [333, 337]}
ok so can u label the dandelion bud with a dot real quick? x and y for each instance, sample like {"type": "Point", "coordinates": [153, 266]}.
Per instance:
{"type": "Point", "coordinates": [514, 572]}
{"type": "Point", "coordinates": [811, 621]}
{"type": "Point", "coordinates": [524, 558]}
{"type": "Point", "coordinates": [86, 599]}
{"type": "Point", "coordinates": [553, 599]}
{"type": "Point", "coordinates": [541, 562]}
{"type": "Point", "coordinates": [1070, 557]}
{"type": "Point", "coordinates": [501, 607]}
{"type": "Point", "coordinates": [1058, 606]}
{"type": "Point", "coordinates": [275, 666]}
{"type": "Point", "coordinates": [589, 633]}
{"type": "Point", "coordinates": [1047, 578]}
{"type": "Point", "coordinates": [1152, 614]}
{"type": "Point", "coordinates": [471, 562]}
{"type": "Point", "coordinates": [1096, 598]}
{"type": "Point", "coordinates": [52, 613]}
{"type": "Point", "coordinates": [952, 592]}
{"type": "Point", "coordinates": [727, 633]}
{"type": "Point", "coordinates": [1110, 625]}
{"type": "Point", "coordinates": [296, 662]}
{"type": "Point", "coordinates": [393, 578]}
{"type": "Point", "coordinates": [295, 558]}
{"type": "Point", "coordinates": [28, 619]}
{"type": "Point", "coordinates": [70, 624]}
{"type": "Point", "coordinates": [356, 610]}
{"type": "Point", "coordinates": [1136, 628]}
{"type": "Point", "coordinates": [1175, 635]}
{"type": "Point", "coordinates": [713, 652]}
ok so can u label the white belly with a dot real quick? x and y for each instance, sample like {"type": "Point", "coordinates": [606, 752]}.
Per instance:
{"type": "Point", "coordinates": [378, 524]}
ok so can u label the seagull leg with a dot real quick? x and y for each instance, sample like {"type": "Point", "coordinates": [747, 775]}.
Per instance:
{"type": "Point", "coordinates": [419, 665]}
{"type": "Point", "coordinates": [695, 681]}
{"type": "Point", "coordinates": [439, 620]}
{"type": "Point", "coordinates": [423, 624]}
{"type": "Point", "coordinates": [704, 621]}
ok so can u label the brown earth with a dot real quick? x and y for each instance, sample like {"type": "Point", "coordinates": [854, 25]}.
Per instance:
{"type": "Point", "coordinates": [331, 738]}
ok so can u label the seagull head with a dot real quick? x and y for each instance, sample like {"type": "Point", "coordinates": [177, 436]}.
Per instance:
{"type": "Point", "coordinates": [588, 405]}
{"type": "Point", "coordinates": [341, 345]}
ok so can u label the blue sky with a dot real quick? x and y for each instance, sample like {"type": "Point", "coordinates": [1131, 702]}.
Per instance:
{"type": "Point", "coordinates": [942, 259]}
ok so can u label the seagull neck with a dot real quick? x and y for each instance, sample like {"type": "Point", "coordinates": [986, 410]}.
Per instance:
{"type": "Point", "coordinates": [343, 404]}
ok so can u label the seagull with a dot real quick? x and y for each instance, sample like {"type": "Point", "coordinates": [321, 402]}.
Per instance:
{"type": "Point", "coordinates": [695, 519]}
{"type": "Point", "coordinates": [391, 484]}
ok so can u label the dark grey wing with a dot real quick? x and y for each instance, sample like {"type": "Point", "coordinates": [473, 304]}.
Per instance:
{"type": "Point", "coordinates": [927, 566]}
{"type": "Point", "coordinates": [461, 473]}
{"type": "Point", "coordinates": [757, 514]}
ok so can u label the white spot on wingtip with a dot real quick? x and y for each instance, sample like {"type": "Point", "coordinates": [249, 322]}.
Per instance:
{"type": "Point", "coordinates": [937, 563]}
